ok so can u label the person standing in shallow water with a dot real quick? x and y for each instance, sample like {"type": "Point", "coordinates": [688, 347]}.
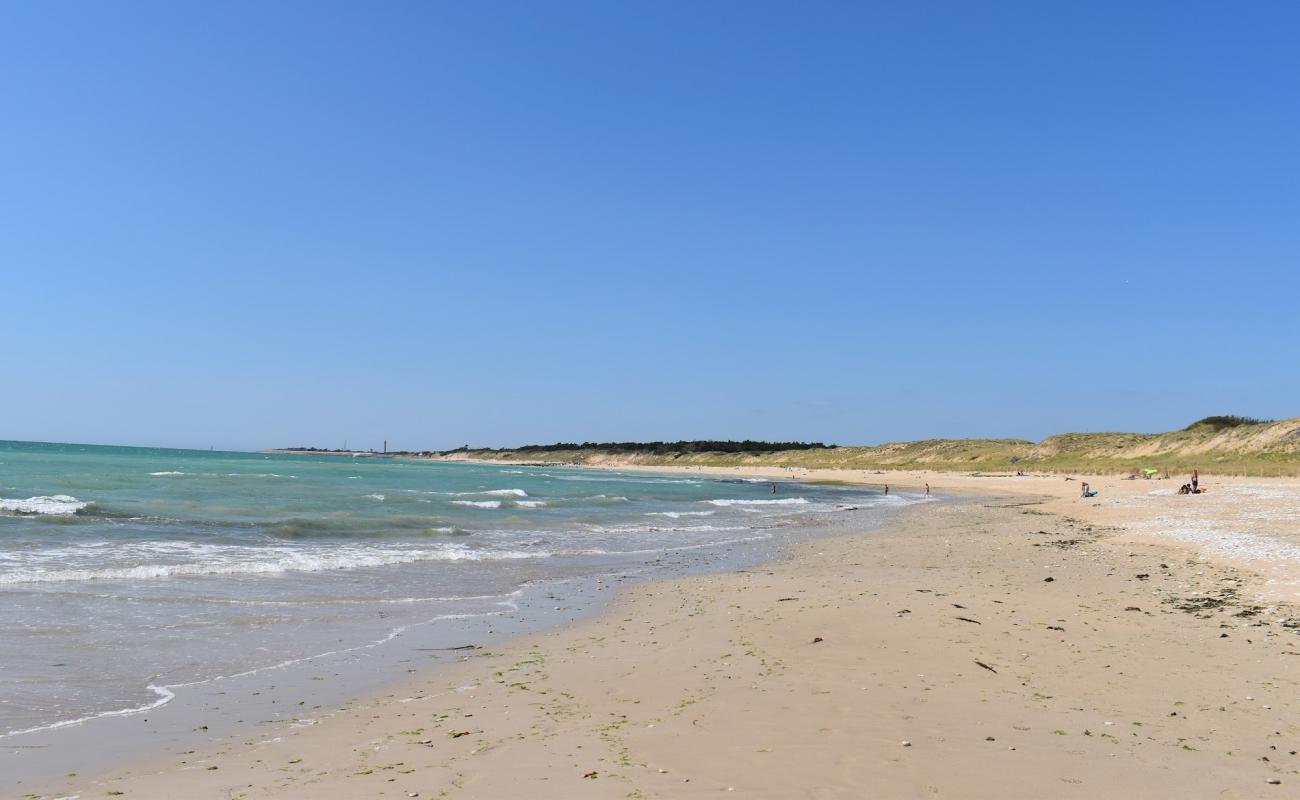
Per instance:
{"type": "Point", "coordinates": [927, 490]}
{"type": "Point", "coordinates": [886, 490]}
{"type": "Point", "coordinates": [773, 488]}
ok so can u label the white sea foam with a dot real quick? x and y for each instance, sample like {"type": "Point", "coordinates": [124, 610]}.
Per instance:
{"type": "Point", "coordinates": [478, 503]}
{"type": "Point", "coordinates": [379, 497]}
{"type": "Point", "coordinates": [615, 477]}
{"type": "Point", "coordinates": [530, 503]}
{"type": "Point", "coordinates": [163, 696]}
{"type": "Point", "coordinates": [599, 551]}
{"type": "Point", "coordinates": [265, 561]}
{"type": "Point", "coordinates": [785, 501]}
{"type": "Point", "coordinates": [482, 493]}
{"type": "Point", "coordinates": [643, 528]}
{"type": "Point", "coordinates": [166, 473]}
{"type": "Point", "coordinates": [680, 514]}
{"type": "Point", "coordinates": [55, 505]}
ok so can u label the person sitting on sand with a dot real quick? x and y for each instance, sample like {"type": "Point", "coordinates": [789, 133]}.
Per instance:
{"type": "Point", "coordinates": [1185, 489]}
{"type": "Point", "coordinates": [1087, 492]}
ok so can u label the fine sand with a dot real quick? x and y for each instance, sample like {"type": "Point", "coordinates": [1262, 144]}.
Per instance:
{"type": "Point", "coordinates": [1018, 642]}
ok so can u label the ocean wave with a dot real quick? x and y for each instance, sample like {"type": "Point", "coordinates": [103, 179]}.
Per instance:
{"type": "Point", "coordinates": [620, 478]}
{"type": "Point", "coordinates": [600, 551]}
{"type": "Point", "coordinates": [306, 602]}
{"type": "Point", "coordinates": [643, 529]}
{"type": "Point", "coordinates": [378, 497]}
{"type": "Point", "coordinates": [589, 500]}
{"type": "Point", "coordinates": [282, 561]}
{"type": "Point", "coordinates": [223, 474]}
{"type": "Point", "coordinates": [55, 505]}
{"type": "Point", "coordinates": [479, 493]}
{"type": "Point", "coordinates": [478, 503]}
{"type": "Point", "coordinates": [680, 514]}
{"type": "Point", "coordinates": [165, 694]}
{"type": "Point", "coordinates": [786, 501]}
{"type": "Point", "coordinates": [530, 503]}
{"type": "Point", "coordinates": [347, 527]}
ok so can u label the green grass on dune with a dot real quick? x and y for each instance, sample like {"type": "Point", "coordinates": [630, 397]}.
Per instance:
{"type": "Point", "coordinates": [1226, 445]}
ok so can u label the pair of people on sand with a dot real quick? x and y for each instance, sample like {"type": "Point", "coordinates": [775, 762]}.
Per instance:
{"type": "Point", "coordinates": [1194, 487]}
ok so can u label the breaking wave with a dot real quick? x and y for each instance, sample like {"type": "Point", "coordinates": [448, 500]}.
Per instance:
{"type": "Point", "coordinates": [281, 560]}
{"type": "Point", "coordinates": [787, 501]}
{"type": "Point", "coordinates": [478, 503]}
{"type": "Point", "coordinates": [55, 505]}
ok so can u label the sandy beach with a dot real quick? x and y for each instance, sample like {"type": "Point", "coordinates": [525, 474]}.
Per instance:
{"type": "Point", "coordinates": [1017, 641]}
{"type": "Point", "coordinates": [649, 401]}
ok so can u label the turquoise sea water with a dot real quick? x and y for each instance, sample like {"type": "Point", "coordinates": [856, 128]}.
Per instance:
{"type": "Point", "coordinates": [129, 574]}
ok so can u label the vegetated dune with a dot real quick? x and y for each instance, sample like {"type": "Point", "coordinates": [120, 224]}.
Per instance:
{"type": "Point", "coordinates": [1223, 444]}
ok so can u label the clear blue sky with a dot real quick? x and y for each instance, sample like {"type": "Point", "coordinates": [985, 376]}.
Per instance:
{"type": "Point", "coordinates": [250, 224]}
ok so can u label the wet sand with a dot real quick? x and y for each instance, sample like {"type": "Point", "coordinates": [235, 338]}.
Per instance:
{"type": "Point", "coordinates": [1019, 642]}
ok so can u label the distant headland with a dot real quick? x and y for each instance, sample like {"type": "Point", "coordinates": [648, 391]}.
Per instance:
{"type": "Point", "coordinates": [1227, 444]}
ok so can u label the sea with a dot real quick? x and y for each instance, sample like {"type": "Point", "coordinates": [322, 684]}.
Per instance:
{"type": "Point", "coordinates": [131, 578]}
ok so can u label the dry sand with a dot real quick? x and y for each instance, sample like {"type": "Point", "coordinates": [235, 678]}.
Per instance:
{"type": "Point", "coordinates": [1020, 643]}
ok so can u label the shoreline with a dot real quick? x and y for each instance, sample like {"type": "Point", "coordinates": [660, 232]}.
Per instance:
{"type": "Point", "coordinates": [301, 690]}
{"type": "Point", "coordinates": [806, 676]}
{"type": "Point", "coordinates": [1264, 539]}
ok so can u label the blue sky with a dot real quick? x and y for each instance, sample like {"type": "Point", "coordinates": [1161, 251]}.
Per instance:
{"type": "Point", "coordinates": [259, 224]}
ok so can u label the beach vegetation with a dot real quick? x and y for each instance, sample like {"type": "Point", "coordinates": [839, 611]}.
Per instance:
{"type": "Point", "coordinates": [1227, 421]}
{"type": "Point", "coordinates": [666, 448]}
{"type": "Point", "coordinates": [1226, 445]}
